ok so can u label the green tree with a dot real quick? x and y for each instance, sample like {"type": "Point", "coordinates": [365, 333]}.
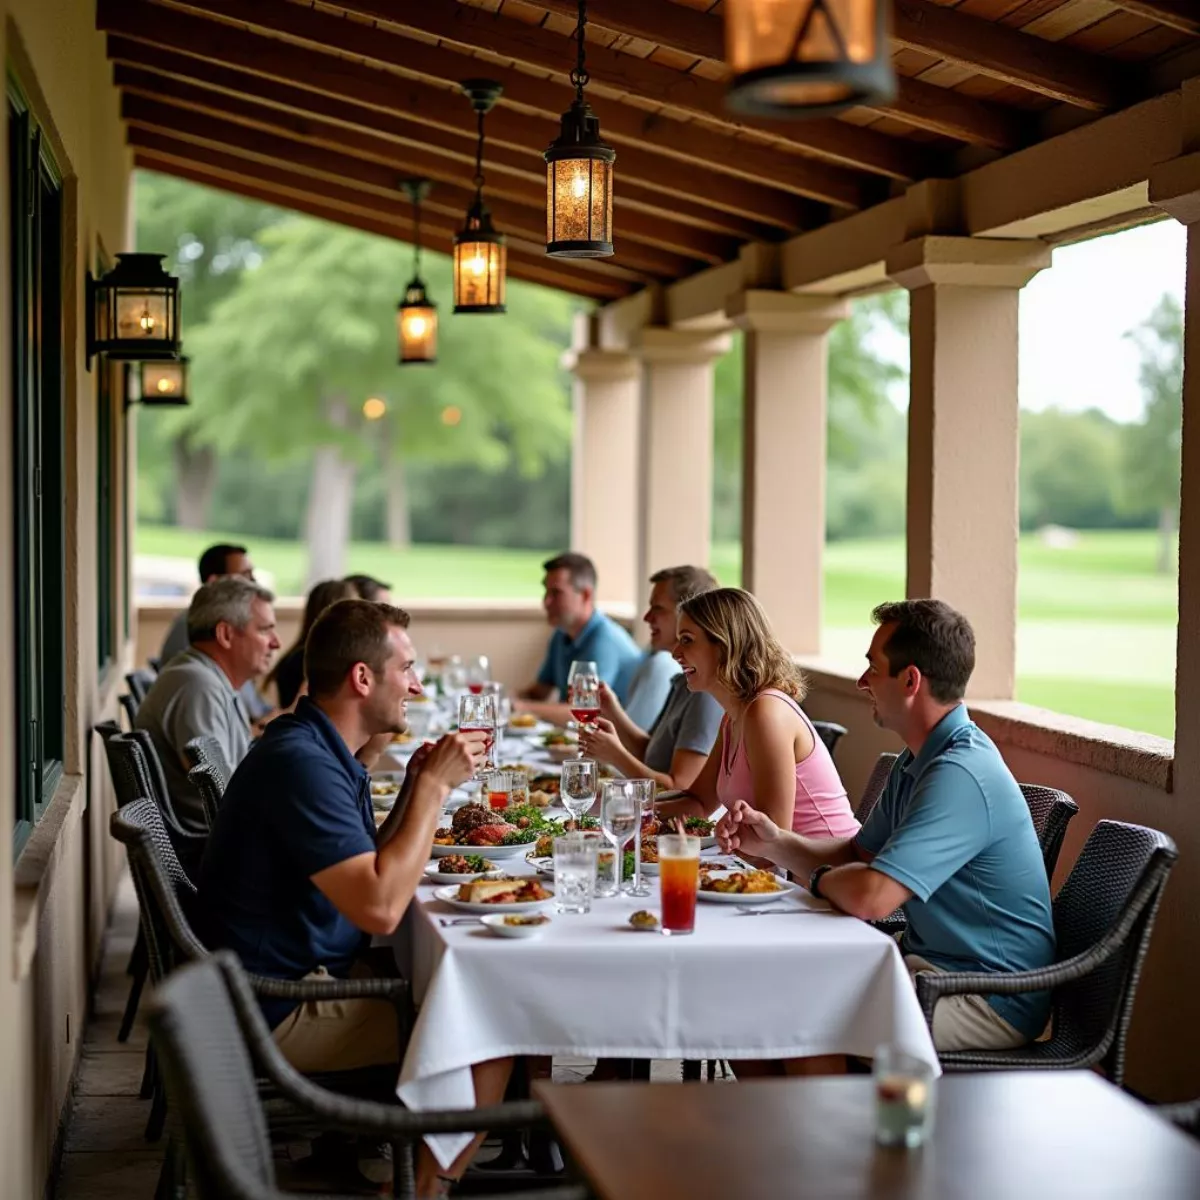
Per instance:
{"type": "Point", "coordinates": [1152, 447]}
{"type": "Point", "coordinates": [1070, 469]}
{"type": "Point", "coordinates": [287, 359]}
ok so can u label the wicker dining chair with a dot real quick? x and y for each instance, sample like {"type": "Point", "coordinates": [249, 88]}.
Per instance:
{"type": "Point", "coordinates": [1103, 917]}
{"type": "Point", "coordinates": [876, 782]}
{"type": "Point", "coordinates": [139, 683]}
{"type": "Point", "coordinates": [830, 733]}
{"type": "Point", "coordinates": [211, 1037]}
{"type": "Point", "coordinates": [1051, 811]}
{"type": "Point", "coordinates": [129, 707]}
{"type": "Point", "coordinates": [206, 779]}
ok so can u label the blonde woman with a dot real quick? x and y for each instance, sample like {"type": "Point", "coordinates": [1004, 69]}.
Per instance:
{"type": "Point", "coordinates": [768, 753]}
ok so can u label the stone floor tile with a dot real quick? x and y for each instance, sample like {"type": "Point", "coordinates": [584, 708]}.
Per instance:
{"type": "Point", "coordinates": [108, 1073]}
{"type": "Point", "coordinates": [109, 1123]}
{"type": "Point", "coordinates": [108, 1175]}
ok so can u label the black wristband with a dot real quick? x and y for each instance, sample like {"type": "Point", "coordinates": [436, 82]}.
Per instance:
{"type": "Point", "coordinates": [814, 880]}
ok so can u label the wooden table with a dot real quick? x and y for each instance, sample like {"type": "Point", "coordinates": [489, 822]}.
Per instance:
{"type": "Point", "coordinates": [998, 1136]}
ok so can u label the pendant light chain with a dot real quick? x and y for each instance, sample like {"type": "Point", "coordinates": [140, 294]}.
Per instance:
{"type": "Point", "coordinates": [479, 160]}
{"type": "Point", "coordinates": [579, 76]}
{"type": "Point", "coordinates": [417, 236]}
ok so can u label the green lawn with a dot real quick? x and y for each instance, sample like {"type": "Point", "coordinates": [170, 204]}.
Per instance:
{"type": "Point", "coordinates": [1097, 625]}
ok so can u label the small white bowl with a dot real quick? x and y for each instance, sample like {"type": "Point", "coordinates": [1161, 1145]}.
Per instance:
{"type": "Point", "coordinates": [495, 924]}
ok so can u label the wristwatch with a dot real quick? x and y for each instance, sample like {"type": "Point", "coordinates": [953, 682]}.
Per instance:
{"type": "Point", "coordinates": [814, 880]}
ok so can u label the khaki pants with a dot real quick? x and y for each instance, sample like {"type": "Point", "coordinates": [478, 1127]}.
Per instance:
{"type": "Point", "coordinates": [339, 1035]}
{"type": "Point", "coordinates": [966, 1022]}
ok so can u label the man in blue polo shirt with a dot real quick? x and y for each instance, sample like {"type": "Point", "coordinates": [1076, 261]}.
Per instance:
{"type": "Point", "coordinates": [294, 878]}
{"type": "Point", "coordinates": [581, 632]}
{"type": "Point", "coordinates": [951, 840]}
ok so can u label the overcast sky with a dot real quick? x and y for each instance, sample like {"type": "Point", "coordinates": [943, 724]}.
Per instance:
{"type": "Point", "coordinates": [1074, 317]}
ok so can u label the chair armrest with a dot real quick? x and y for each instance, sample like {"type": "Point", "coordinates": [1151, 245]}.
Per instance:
{"type": "Point", "coordinates": [395, 990]}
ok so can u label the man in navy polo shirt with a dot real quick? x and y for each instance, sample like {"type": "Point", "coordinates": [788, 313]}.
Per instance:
{"type": "Point", "coordinates": [951, 840]}
{"type": "Point", "coordinates": [581, 633]}
{"type": "Point", "coordinates": [293, 879]}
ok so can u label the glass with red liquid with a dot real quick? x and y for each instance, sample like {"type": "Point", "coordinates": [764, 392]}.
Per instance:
{"type": "Point", "coordinates": [585, 699]}
{"type": "Point", "coordinates": [499, 789]}
{"type": "Point", "coordinates": [679, 881]}
{"type": "Point", "coordinates": [478, 713]}
{"type": "Point", "coordinates": [478, 673]}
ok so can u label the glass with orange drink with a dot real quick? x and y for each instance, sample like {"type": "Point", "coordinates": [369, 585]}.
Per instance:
{"type": "Point", "coordinates": [679, 881]}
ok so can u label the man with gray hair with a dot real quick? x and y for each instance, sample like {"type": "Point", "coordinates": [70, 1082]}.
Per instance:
{"type": "Point", "coordinates": [231, 635]}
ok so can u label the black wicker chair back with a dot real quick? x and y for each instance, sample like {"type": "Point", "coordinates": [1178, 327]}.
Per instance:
{"type": "Point", "coordinates": [129, 708]}
{"type": "Point", "coordinates": [211, 1084]}
{"type": "Point", "coordinates": [876, 782]}
{"type": "Point", "coordinates": [139, 683]}
{"type": "Point", "coordinates": [830, 733]}
{"type": "Point", "coordinates": [206, 751]}
{"type": "Point", "coordinates": [107, 730]}
{"type": "Point", "coordinates": [1051, 811]}
{"type": "Point", "coordinates": [206, 779]}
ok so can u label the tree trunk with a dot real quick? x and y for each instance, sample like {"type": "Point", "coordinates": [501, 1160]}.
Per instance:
{"type": "Point", "coordinates": [1166, 540]}
{"type": "Point", "coordinates": [330, 502]}
{"type": "Point", "coordinates": [195, 482]}
{"type": "Point", "coordinates": [399, 522]}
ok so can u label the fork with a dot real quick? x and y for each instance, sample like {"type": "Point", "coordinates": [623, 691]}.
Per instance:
{"type": "Point", "coordinates": [444, 921]}
{"type": "Point", "coordinates": [762, 911]}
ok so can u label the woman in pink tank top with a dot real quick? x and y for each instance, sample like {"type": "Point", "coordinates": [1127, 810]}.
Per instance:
{"type": "Point", "coordinates": [768, 754]}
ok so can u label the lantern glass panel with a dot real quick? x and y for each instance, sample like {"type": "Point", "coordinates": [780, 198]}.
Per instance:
{"type": "Point", "coordinates": [765, 33]}
{"type": "Point", "coordinates": [143, 315]}
{"type": "Point", "coordinates": [579, 200]}
{"type": "Point", "coordinates": [162, 380]}
{"type": "Point", "coordinates": [479, 270]}
{"type": "Point", "coordinates": [417, 330]}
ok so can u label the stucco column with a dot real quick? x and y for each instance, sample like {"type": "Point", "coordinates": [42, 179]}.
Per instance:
{"type": "Point", "coordinates": [604, 468]}
{"type": "Point", "coordinates": [677, 458]}
{"type": "Point", "coordinates": [963, 435]}
{"type": "Point", "coordinates": [1175, 187]}
{"type": "Point", "coordinates": [783, 472]}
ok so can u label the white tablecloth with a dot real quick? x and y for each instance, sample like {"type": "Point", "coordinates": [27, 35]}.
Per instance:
{"type": "Point", "coordinates": [811, 983]}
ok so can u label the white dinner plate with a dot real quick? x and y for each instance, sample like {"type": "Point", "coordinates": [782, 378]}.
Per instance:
{"type": "Point", "coordinates": [494, 923]}
{"type": "Point", "coordinates": [538, 729]}
{"type": "Point", "coordinates": [786, 888]}
{"type": "Point", "coordinates": [486, 851]}
{"type": "Point", "coordinates": [449, 895]}
{"type": "Point", "coordinates": [432, 873]}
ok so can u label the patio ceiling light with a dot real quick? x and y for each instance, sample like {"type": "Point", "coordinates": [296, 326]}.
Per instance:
{"type": "Point", "coordinates": [416, 314]}
{"type": "Point", "coordinates": [162, 383]}
{"type": "Point", "coordinates": [480, 255]}
{"type": "Point", "coordinates": [794, 58]}
{"type": "Point", "coordinates": [579, 175]}
{"type": "Point", "coordinates": [133, 311]}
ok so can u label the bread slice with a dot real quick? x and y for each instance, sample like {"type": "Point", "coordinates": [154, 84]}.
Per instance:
{"type": "Point", "coordinates": [481, 890]}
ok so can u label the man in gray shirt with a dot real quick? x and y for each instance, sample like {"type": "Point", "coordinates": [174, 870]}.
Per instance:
{"type": "Point", "coordinates": [231, 630]}
{"type": "Point", "coordinates": [221, 561]}
{"type": "Point", "coordinates": [679, 741]}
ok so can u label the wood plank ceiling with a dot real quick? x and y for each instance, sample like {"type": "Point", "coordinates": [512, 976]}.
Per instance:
{"type": "Point", "coordinates": [325, 107]}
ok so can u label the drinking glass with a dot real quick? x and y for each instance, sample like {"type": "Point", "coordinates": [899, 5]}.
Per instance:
{"type": "Point", "coordinates": [620, 815]}
{"type": "Point", "coordinates": [585, 700]}
{"type": "Point", "coordinates": [518, 785]}
{"type": "Point", "coordinates": [479, 712]}
{"type": "Point", "coordinates": [577, 789]}
{"type": "Point", "coordinates": [678, 881]}
{"type": "Point", "coordinates": [574, 873]}
{"type": "Point", "coordinates": [904, 1095]}
{"type": "Point", "coordinates": [478, 673]}
{"type": "Point", "coordinates": [606, 872]}
{"type": "Point", "coordinates": [499, 789]}
{"type": "Point", "coordinates": [582, 666]}
{"type": "Point", "coordinates": [454, 676]}
{"type": "Point", "coordinates": [643, 792]}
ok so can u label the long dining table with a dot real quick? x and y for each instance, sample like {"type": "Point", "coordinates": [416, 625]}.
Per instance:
{"type": "Point", "coordinates": [799, 980]}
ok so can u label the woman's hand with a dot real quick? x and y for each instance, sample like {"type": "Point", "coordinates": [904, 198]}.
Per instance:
{"type": "Point", "coordinates": [600, 741]}
{"type": "Point", "coordinates": [743, 828]}
{"type": "Point", "coordinates": [373, 751]}
{"type": "Point", "coordinates": [610, 706]}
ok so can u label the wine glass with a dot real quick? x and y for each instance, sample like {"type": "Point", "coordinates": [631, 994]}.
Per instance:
{"type": "Point", "coordinates": [479, 713]}
{"type": "Point", "coordinates": [454, 676]}
{"type": "Point", "coordinates": [582, 666]}
{"type": "Point", "coordinates": [585, 700]}
{"type": "Point", "coordinates": [620, 816]}
{"type": "Point", "coordinates": [577, 789]}
{"type": "Point", "coordinates": [478, 673]}
{"type": "Point", "coordinates": [643, 791]}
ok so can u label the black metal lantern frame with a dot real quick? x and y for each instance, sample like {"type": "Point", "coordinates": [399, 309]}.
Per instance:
{"type": "Point", "coordinates": [416, 314]}
{"type": "Point", "coordinates": [807, 57]}
{"type": "Point", "coordinates": [480, 252]}
{"type": "Point", "coordinates": [579, 174]}
{"type": "Point", "coordinates": [133, 311]}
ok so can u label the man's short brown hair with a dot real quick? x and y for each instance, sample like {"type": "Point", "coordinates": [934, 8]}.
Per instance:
{"type": "Point", "coordinates": [581, 568]}
{"type": "Point", "coordinates": [686, 581]}
{"type": "Point", "coordinates": [933, 637]}
{"type": "Point", "coordinates": [349, 632]}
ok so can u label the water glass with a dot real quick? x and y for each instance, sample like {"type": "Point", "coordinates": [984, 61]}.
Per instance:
{"type": "Point", "coordinates": [518, 785]}
{"type": "Point", "coordinates": [454, 676]}
{"type": "Point", "coordinates": [678, 881]}
{"type": "Point", "coordinates": [577, 786]}
{"type": "Point", "coordinates": [904, 1095]}
{"type": "Point", "coordinates": [499, 789]}
{"type": "Point", "coordinates": [574, 873]}
{"type": "Point", "coordinates": [620, 816]}
{"type": "Point", "coordinates": [606, 862]}
{"type": "Point", "coordinates": [479, 713]}
{"type": "Point", "coordinates": [643, 792]}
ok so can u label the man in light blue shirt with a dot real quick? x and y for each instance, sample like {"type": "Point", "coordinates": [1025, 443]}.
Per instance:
{"type": "Point", "coordinates": [581, 632]}
{"type": "Point", "coordinates": [951, 839]}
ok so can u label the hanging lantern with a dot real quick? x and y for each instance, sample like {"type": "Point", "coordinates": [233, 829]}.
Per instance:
{"type": "Point", "coordinates": [133, 311]}
{"type": "Point", "coordinates": [164, 382]}
{"type": "Point", "coordinates": [793, 58]}
{"type": "Point", "coordinates": [480, 255]}
{"type": "Point", "coordinates": [579, 175]}
{"type": "Point", "coordinates": [416, 314]}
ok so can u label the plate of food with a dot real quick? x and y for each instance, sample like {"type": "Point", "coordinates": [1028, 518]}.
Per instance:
{"type": "Point", "coordinates": [496, 895]}
{"type": "Point", "coordinates": [527, 725]}
{"type": "Point", "coordinates": [516, 925]}
{"type": "Point", "coordinates": [462, 868]}
{"type": "Point", "coordinates": [699, 827]}
{"type": "Point", "coordinates": [384, 792]}
{"type": "Point", "coordinates": [744, 887]}
{"type": "Point", "coordinates": [474, 828]}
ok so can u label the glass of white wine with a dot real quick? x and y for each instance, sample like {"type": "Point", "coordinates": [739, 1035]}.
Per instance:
{"type": "Point", "coordinates": [620, 813]}
{"type": "Point", "coordinates": [577, 787]}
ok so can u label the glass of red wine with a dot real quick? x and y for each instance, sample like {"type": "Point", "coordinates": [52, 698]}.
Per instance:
{"type": "Point", "coordinates": [478, 673]}
{"type": "Point", "coordinates": [585, 700]}
{"type": "Point", "coordinates": [479, 713]}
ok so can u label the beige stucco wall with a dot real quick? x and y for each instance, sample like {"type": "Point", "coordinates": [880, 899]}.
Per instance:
{"type": "Point", "coordinates": [54, 901]}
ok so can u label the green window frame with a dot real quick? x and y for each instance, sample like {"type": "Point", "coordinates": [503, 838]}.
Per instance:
{"type": "Point", "coordinates": [36, 294]}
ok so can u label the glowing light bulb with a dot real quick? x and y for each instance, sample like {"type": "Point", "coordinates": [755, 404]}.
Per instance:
{"type": "Point", "coordinates": [417, 326]}
{"type": "Point", "coordinates": [165, 385]}
{"type": "Point", "coordinates": [579, 185]}
{"type": "Point", "coordinates": [146, 321]}
{"type": "Point", "coordinates": [374, 408]}
{"type": "Point", "coordinates": [478, 265]}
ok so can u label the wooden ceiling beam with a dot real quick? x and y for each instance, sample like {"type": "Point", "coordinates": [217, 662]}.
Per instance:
{"type": "Point", "coordinates": [285, 190]}
{"type": "Point", "coordinates": [665, 246]}
{"type": "Point", "coordinates": [858, 148]}
{"type": "Point", "coordinates": [1183, 15]}
{"type": "Point", "coordinates": [382, 181]}
{"type": "Point", "coordinates": [995, 50]}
